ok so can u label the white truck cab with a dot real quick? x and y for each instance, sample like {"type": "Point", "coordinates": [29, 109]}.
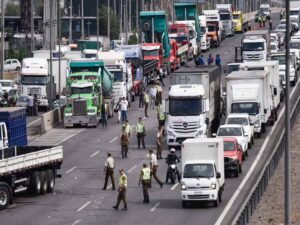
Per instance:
{"type": "Point", "coordinates": [205, 41]}
{"type": "Point", "coordinates": [254, 48]}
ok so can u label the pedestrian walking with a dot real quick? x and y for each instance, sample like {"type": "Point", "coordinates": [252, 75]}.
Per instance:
{"type": "Point", "coordinates": [145, 180]}
{"type": "Point", "coordinates": [128, 128]}
{"type": "Point", "coordinates": [146, 102]}
{"type": "Point", "coordinates": [259, 19]}
{"type": "Point", "coordinates": [124, 109]}
{"type": "Point", "coordinates": [35, 105]}
{"type": "Point", "coordinates": [140, 133]}
{"type": "Point", "coordinates": [141, 99]}
{"type": "Point", "coordinates": [159, 142]}
{"type": "Point", "coordinates": [124, 142]}
{"type": "Point", "coordinates": [161, 79]}
{"type": "Point", "coordinates": [109, 171]}
{"type": "Point", "coordinates": [281, 14]}
{"type": "Point", "coordinates": [119, 110]}
{"type": "Point", "coordinates": [264, 21]}
{"type": "Point", "coordinates": [104, 111]}
{"type": "Point", "coordinates": [210, 59]}
{"type": "Point", "coordinates": [30, 104]}
{"type": "Point", "coordinates": [122, 190]}
{"type": "Point", "coordinates": [249, 26]}
{"type": "Point", "coordinates": [153, 167]}
{"type": "Point", "coordinates": [270, 24]}
{"type": "Point", "coordinates": [201, 60]}
{"type": "Point", "coordinates": [218, 60]}
{"type": "Point", "coordinates": [153, 92]}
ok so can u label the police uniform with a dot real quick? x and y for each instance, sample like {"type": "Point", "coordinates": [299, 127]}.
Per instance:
{"type": "Point", "coordinates": [124, 143]}
{"type": "Point", "coordinates": [140, 134]}
{"type": "Point", "coordinates": [146, 101]}
{"type": "Point", "coordinates": [145, 179]}
{"type": "Point", "coordinates": [122, 191]}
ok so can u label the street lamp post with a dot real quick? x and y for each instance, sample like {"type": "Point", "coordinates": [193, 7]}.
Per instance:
{"type": "Point", "coordinates": [2, 39]}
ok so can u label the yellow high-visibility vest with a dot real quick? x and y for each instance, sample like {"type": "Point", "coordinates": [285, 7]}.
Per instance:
{"type": "Point", "coordinates": [123, 181]}
{"type": "Point", "coordinates": [146, 173]}
{"type": "Point", "coordinates": [140, 128]}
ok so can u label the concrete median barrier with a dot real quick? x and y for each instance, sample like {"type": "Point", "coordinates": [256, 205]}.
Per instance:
{"type": "Point", "coordinates": [52, 119]}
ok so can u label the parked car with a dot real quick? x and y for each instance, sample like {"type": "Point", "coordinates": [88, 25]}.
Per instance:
{"type": "Point", "coordinates": [244, 120]}
{"type": "Point", "coordinates": [233, 156]}
{"type": "Point", "coordinates": [233, 130]}
{"type": "Point", "coordinates": [12, 64]}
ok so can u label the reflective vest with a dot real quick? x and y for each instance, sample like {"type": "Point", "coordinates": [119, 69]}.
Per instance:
{"type": "Point", "coordinates": [128, 129]}
{"type": "Point", "coordinates": [146, 97]}
{"type": "Point", "coordinates": [123, 181]}
{"type": "Point", "coordinates": [159, 88]}
{"type": "Point", "coordinates": [162, 115]}
{"type": "Point", "coordinates": [146, 173]}
{"type": "Point", "coordinates": [140, 128]}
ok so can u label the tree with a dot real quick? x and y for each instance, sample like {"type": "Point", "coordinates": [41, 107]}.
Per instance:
{"type": "Point", "coordinates": [114, 23]}
{"type": "Point", "coordinates": [133, 39]}
{"type": "Point", "coordinates": [12, 9]}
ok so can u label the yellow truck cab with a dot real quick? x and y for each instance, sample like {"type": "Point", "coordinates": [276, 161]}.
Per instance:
{"type": "Point", "coordinates": [238, 21]}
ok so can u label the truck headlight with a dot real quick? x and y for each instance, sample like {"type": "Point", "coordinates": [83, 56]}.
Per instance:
{"type": "Point", "coordinates": [234, 157]}
{"type": "Point", "coordinates": [183, 186]}
{"type": "Point", "coordinates": [213, 186]}
{"type": "Point", "coordinates": [68, 112]}
{"type": "Point", "coordinates": [170, 133]}
{"type": "Point", "coordinates": [91, 112]}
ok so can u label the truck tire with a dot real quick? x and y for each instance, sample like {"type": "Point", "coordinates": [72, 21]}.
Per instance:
{"type": "Point", "coordinates": [240, 168]}
{"type": "Point", "coordinates": [35, 183]}
{"type": "Point", "coordinates": [5, 197]}
{"type": "Point", "coordinates": [44, 183]}
{"type": "Point", "coordinates": [236, 172]}
{"type": "Point", "coordinates": [50, 180]}
{"type": "Point", "coordinates": [216, 203]}
{"type": "Point", "coordinates": [220, 195]}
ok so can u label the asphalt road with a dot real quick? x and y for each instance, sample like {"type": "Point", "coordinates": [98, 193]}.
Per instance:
{"type": "Point", "coordinates": [78, 196]}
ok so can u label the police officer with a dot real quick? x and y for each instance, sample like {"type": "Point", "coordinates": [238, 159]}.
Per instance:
{"type": "Point", "coordinates": [109, 171]}
{"type": "Point", "coordinates": [124, 142]}
{"type": "Point", "coordinates": [127, 128]}
{"type": "Point", "coordinates": [140, 133]}
{"type": "Point", "coordinates": [146, 102]}
{"type": "Point", "coordinates": [145, 180]}
{"type": "Point", "coordinates": [161, 116]}
{"type": "Point", "coordinates": [122, 190]}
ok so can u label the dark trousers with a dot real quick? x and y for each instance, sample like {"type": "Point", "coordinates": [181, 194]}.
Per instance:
{"type": "Point", "coordinates": [124, 150]}
{"type": "Point", "coordinates": [141, 103]}
{"type": "Point", "coordinates": [145, 184]}
{"type": "Point", "coordinates": [159, 150]}
{"type": "Point", "coordinates": [104, 120]}
{"type": "Point", "coordinates": [109, 173]}
{"type": "Point", "coordinates": [154, 171]}
{"type": "Point", "coordinates": [123, 115]}
{"type": "Point", "coordinates": [146, 108]}
{"type": "Point", "coordinates": [141, 137]}
{"type": "Point", "coordinates": [122, 197]}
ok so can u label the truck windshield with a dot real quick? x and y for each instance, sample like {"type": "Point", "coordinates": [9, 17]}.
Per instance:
{"type": "Point", "coordinates": [33, 80]}
{"type": "Point", "coordinates": [231, 68]}
{"type": "Point", "coordinates": [151, 52]}
{"type": "Point", "coordinates": [211, 28]}
{"type": "Point", "coordinates": [180, 15]}
{"type": "Point", "coordinates": [295, 45]}
{"type": "Point", "coordinates": [89, 56]}
{"type": "Point", "coordinates": [185, 107]}
{"type": "Point", "coordinates": [118, 76]}
{"type": "Point", "coordinates": [279, 58]}
{"type": "Point", "coordinates": [237, 120]}
{"type": "Point", "coordinates": [198, 171]}
{"type": "Point", "coordinates": [229, 131]}
{"type": "Point", "coordinates": [229, 146]}
{"type": "Point", "coordinates": [254, 46]}
{"type": "Point", "coordinates": [181, 39]}
{"type": "Point", "coordinates": [81, 90]}
{"type": "Point", "coordinates": [236, 17]}
{"type": "Point", "coordinates": [264, 10]}
{"type": "Point", "coordinates": [252, 108]}
{"type": "Point", "coordinates": [224, 16]}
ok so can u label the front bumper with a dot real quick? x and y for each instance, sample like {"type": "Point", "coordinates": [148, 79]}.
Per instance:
{"type": "Point", "coordinates": [199, 195]}
{"type": "Point", "coordinates": [231, 165]}
{"type": "Point", "coordinates": [86, 120]}
{"type": "Point", "coordinates": [176, 141]}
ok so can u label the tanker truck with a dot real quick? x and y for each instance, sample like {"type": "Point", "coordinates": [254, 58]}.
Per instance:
{"type": "Point", "coordinates": [89, 83]}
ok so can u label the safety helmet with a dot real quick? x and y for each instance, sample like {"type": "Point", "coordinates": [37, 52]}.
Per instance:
{"type": "Point", "coordinates": [172, 150]}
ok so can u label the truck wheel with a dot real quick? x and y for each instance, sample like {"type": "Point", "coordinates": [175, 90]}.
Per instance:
{"type": "Point", "coordinates": [216, 203]}
{"type": "Point", "coordinates": [35, 183]}
{"type": "Point", "coordinates": [236, 172]}
{"type": "Point", "coordinates": [263, 127]}
{"type": "Point", "coordinates": [4, 197]}
{"type": "Point", "coordinates": [44, 183]}
{"type": "Point", "coordinates": [252, 140]}
{"type": "Point", "coordinates": [50, 180]}
{"type": "Point", "coordinates": [240, 168]}
{"type": "Point", "coordinates": [184, 204]}
{"type": "Point", "coordinates": [220, 196]}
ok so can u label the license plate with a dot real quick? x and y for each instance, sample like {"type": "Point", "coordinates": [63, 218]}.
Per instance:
{"type": "Point", "coordinates": [197, 192]}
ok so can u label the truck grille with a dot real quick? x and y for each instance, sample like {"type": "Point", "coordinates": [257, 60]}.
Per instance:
{"type": "Point", "coordinates": [34, 91]}
{"type": "Point", "coordinates": [79, 107]}
{"type": "Point", "coordinates": [198, 196]}
{"type": "Point", "coordinates": [254, 56]}
{"type": "Point", "coordinates": [185, 127]}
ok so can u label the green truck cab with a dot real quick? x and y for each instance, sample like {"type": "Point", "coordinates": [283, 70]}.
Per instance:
{"type": "Point", "coordinates": [89, 83]}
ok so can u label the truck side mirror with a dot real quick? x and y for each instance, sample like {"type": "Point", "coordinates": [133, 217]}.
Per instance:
{"type": "Point", "coordinates": [218, 175]}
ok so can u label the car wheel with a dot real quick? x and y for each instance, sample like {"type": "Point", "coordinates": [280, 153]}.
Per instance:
{"type": "Point", "coordinates": [236, 172]}
{"type": "Point", "coordinates": [240, 168]}
{"type": "Point", "coordinates": [252, 140]}
{"type": "Point", "coordinates": [18, 68]}
{"type": "Point", "coordinates": [184, 204]}
{"type": "Point", "coordinates": [216, 203]}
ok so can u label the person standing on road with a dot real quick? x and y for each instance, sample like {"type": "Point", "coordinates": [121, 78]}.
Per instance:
{"type": "Point", "coordinates": [124, 141]}
{"type": "Point", "coordinates": [153, 167]}
{"type": "Point", "coordinates": [158, 99]}
{"type": "Point", "coordinates": [122, 190]}
{"type": "Point", "coordinates": [270, 24]}
{"type": "Point", "coordinates": [141, 99]}
{"type": "Point", "coordinates": [159, 142]}
{"type": "Point", "coordinates": [145, 180]}
{"type": "Point", "coordinates": [259, 20]}
{"type": "Point", "coordinates": [104, 110]}
{"type": "Point", "coordinates": [146, 101]}
{"type": "Point", "coordinates": [210, 59]}
{"type": "Point", "coordinates": [153, 92]}
{"type": "Point", "coordinates": [264, 21]}
{"type": "Point", "coordinates": [124, 109]}
{"type": "Point", "coordinates": [109, 171]}
{"type": "Point", "coordinates": [30, 104]}
{"type": "Point", "coordinates": [119, 110]}
{"type": "Point", "coordinates": [161, 79]}
{"type": "Point", "coordinates": [249, 26]}
{"type": "Point", "coordinates": [161, 116]}
{"type": "Point", "coordinates": [140, 133]}
{"type": "Point", "coordinates": [128, 128]}
{"type": "Point", "coordinates": [218, 60]}
{"type": "Point", "coordinates": [35, 105]}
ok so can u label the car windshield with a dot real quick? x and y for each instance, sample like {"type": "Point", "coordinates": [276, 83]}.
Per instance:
{"type": "Point", "coordinates": [281, 27]}
{"type": "Point", "coordinates": [198, 171]}
{"type": "Point", "coordinates": [237, 120]}
{"type": "Point", "coordinates": [33, 80]}
{"type": "Point", "coordinates": [150, 52]}
{"type": "Point", "coordinates": [294, 13]}
{"type": "Point", "coordinates": [185, 107]}
{"type": "Point", "coordinates": [254, 46]}
{"type": "Point", "coordinates": [236, 17]}
{"type": "Point", "coordinates": [295, 45]}
{"type": "Point", "coordinates": [279, 58]}
{"type": "Point", "coordinates": [5, 83]}
{"type": "Point", "coordinates": [81, 90]}
{"type": "Point", "coordinates": [211, 28]}
{"type": "Point", "coordinates": [294, 20]}
{"type": "Point", "coordinates": [264, 9]}
{"type": "Point", "coordinates": [229, 131]}
{"type": "Point", "coordinates": [252, 108]}
{"type": "Point", "coordinates": [229, 146]}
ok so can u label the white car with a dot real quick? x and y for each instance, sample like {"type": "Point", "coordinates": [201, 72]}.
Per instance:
{"type": "Point", "coordinates": [275, 38]}
{"type": "Point", "coordinates": [12, 64]}
{"type": "Point", "coordinates": [274, 47]}
{"type": "Point", "coordinates": [244, 120]}
{"type": "Point", "coordinates": [237, 131]}
{"type": "Point", "coordinates": [7, 85]}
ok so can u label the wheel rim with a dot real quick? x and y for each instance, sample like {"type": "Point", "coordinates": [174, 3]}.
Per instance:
{"type": "Point", "coordinates": [3, 198]}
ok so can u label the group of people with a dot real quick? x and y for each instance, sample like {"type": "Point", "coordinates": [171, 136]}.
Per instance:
{"type": "Point", "coordinates": [210, 60]}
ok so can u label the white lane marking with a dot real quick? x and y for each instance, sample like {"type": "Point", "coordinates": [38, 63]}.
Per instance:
{"type": "Point", "coordinates": [249, 173]}
{"type": "Point", "coordinates": [72, 135]}
{"type": "Point", "coordinates": [33, 122]}
{"type": "Point", "coordinates": [154, 207]}
{"type": "Point", "coordinates": [76, 222]}
{"type": "Point", "coordinates": [95, 153]}
{"type": "Point", "coordinates": [82, 207]}
{"type": "Point", "coordinates": [131, 169]}
{"type": "Point", "coordinates": [70, 170]}
{"type": "Point", "coordinates": [174, 186]}
{"type": "Point", "coordinates": [112, 140]}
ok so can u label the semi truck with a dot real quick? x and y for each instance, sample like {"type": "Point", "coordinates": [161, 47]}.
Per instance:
{"type": "Point", "coordinates": [240, 22]}
{"type": "Point", "coordinates": [213, 23]}
{"type": "Point", "coordinates": [155, 32]}
{"type": "Point", "coordinates": [24, 168]}
{"type": "Point", "coordinates": [225, 12]}
{"type": "Point", "coordinates": [89, 84]}
{"type": "Point", "coordinates": [193, 103]}
{"type": "Point", "coordinates": [203, 177]}
{"type": "Point", "coordinates": [205, 41]}
{"type": "Point", "coordinates": [186, 13]}
{"type": "Point", "coordinates": [251, 92]}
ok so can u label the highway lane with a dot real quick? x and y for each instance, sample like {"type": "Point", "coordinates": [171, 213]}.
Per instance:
{"type": "Point", "coordinates": [78, 198]}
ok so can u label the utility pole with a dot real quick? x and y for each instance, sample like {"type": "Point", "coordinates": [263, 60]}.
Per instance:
{"type": "Point", "coordinates": [129, 17]}
{"type": "Point", "coordinates": [82, 20]}
{"type": "Point", "coordinates": [59, 52]}
{"type": "Point", "coordinates": [108, 19]}
{"type": "Point", "coordinates": [121, 17]}
{"type": "Point", "coordinates": [32, 26]}
{"type": "Point", "coordinates": [126, 22]}
{"type": "Point", "coordinates": [71, 22]}
{"type": "Point", "coordinates": [50, 48]}
{"type": "Point", "coordinates": [97, 18]}
{"type": "Point", "coordinates": [2, 39]}
{"type": "Point", "coordinates": [115, 7]}
{"type": "Point", "coordinates": [137, 15]}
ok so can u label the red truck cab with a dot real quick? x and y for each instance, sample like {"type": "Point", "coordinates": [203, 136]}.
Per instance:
{"type": "Point", "coordinates": [233, 156]}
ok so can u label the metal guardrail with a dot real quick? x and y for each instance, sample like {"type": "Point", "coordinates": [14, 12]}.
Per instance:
{"type": "Point", "coordinates": [258, 189]}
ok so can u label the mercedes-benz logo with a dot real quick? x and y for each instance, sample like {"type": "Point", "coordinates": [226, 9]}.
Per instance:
{"type": "Point", "coordinates": [185, 125]}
